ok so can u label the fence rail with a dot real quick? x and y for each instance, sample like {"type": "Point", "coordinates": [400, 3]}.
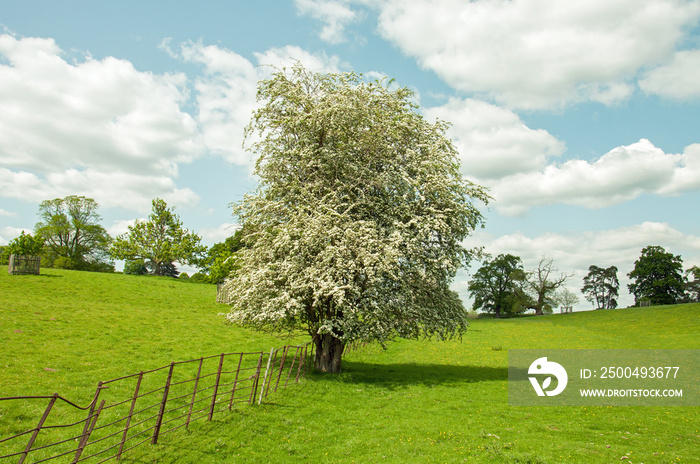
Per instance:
{"type": "Point", "coordinates": [139, 408]}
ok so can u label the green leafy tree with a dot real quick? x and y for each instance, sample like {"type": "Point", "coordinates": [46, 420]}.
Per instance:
{"type": "Point", "coordinates": [601, 286]}
{"type": "Point", "coordinates": [72, 235]}
{"type": "Point", "coordinates": [222, 258]}
{"type": "Point", "coordinates": [657, 276]}
{"type": "Point", "coordinates": [159, 242]}
{"type": "Point", "coordinates": [496, 286]}
{"type": "Point", "coordinates": [25, 245]}
{"type": "Point", "coordinates": [135, 267]}
{"type": "Point", "coordinates": [692, 286]}
{"type": "Point", "coordinates": [355, 231]}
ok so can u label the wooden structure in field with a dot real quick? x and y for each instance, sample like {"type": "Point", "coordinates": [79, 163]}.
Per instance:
{"type": "Point", "coordinates": [20, 264]}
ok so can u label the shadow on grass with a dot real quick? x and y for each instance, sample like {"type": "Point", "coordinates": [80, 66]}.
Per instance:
{"type": "Point", "coordinates": [398, 376]}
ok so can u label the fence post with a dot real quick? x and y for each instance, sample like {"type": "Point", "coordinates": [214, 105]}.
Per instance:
{"type": "Point", "coordinates": [291, 367]}
{"type": "Point", "coordinates": [92, 408]}
{"type": "Point", "coordinates": [272, 371]}
{"type": "Point", "coordinates": [131, 413]}
{"type": "Point", "coordinates": [235, 382]}
{"type": "Point", "coordinates": [194, 393]}
{"type": "Point", "coordinates": [159, 421]}
{"type": "Point", "coordinates": [312, 351]}
{"type": "Point", "coordinates": [86, 437]}
{"type": "Point", "coordinates": [302, 361]}
{"type": "Point", "coordinates": [216, 387]}
{"type": "Point", "coordinates": [267, 369]}
{"type": "Point", "coordinates": [284, 358]}
{"type": "Point", "coordinates": [254, 388]}
{"type": "Point", "coordinates": [38, 428]}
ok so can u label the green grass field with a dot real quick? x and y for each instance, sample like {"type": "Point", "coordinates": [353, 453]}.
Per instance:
{"type": "Point", "coordinates": [416, 401]}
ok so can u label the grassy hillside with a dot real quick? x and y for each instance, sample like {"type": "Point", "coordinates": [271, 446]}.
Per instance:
{"type": "Point", "coordinates": [416, 401]}
{"type": "Point", "coordinates": [64, 331]}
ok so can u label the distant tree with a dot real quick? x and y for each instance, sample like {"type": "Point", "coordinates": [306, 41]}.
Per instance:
{"type": "Point", "coordinates": [26, 245]}
{"type": "Point", "coordinates": [542, 284]}
{"type": "Point", "coordinates": [166, 269]}
{"type": "Point", "coordinates": [72, 235]}
{"type": "Point", "coordinates": [159, 242]}
{"type": "Point", "coordinates": [495, 286]}
{"type": "Point", "coordinates": [199, 278]}
{"type": "Point", "coordinates": [601, 286]}
{"type": "Point", "coordinates": [359, 218]}
{"type": "Point", "coordinates": [566, 299]}
{"type": "Point", "coordinates": [135, 267]}
{"type": "Point", "coordinates": [221, 258]}
{"type": "Point", "coordinates": [692, 286]}
{"type": "Point", "coordinates": [657, 276]}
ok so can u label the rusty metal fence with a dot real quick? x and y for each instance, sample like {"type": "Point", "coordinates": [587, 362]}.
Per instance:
{"type": "Point", "coordinates": [136, 409]}
{"type": "Point", "coordinates": [21, 264]}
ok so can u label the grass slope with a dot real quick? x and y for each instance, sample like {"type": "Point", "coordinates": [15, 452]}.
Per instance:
{"type": "Point", "coordinates": [417, 401]}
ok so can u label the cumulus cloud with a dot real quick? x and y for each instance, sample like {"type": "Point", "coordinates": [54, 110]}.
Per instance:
{"type": "Point", "coordinates": [226, 92]}
{"type": "Point", "coordinates": [335, 15]}
{"type": "Point", "coordinates": [8, 233]}
{"type": "Point", "coordinates": [492, 141]}
{"type": "Point", "coordinates": [538, 53]}
{"type": "Point", "coordinates": [218, 234]}
{"type": "Point", "coordinates": [110, 189]}
{"type": "Point", "coordinates": [97, 127]}
{"type": "Point", "coordinates": [677, 79]}
{"type": "Point", "coordinates": [620, 175]}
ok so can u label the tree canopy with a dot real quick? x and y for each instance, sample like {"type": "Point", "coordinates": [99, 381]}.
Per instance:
{"type": "Point", "coordinates": [159, 242]}
{"type": "Point", "coordinates": [601, 286]}
{"type": "Point", "coordinates": [692, 286]}
{"type": "Point", "coordinates": [497, 286]}
{"type": "Point", "coordinates": [355, 230]}
{"type": "Point", "coordinates": [25, 244]}
{"type": "Point", "coordinates": [657, 276]}
{"type": "Point", "coordinates": [221, 259]}
{"type": "Point", "coordinates": [73, 237]}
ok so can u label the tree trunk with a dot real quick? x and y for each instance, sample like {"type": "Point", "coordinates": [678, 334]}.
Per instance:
{"type": "Point", "coordinates": [329, 351]}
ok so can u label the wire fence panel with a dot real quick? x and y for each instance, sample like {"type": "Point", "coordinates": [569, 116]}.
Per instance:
{"type": "Point", "coordinates": [136, 409]}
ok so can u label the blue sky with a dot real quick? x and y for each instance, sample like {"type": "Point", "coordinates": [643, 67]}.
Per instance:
{"type": "Point", "coordinates": [582, 117]}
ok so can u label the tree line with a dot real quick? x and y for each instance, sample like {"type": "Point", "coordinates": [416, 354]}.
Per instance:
{"type": "Point", "coordinates": [503, 287]}
{"type": "Point", "coordinates": [69, 236]}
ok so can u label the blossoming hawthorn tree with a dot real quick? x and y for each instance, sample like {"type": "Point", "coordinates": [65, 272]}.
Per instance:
{"type": "Point", "coordinates": [354, 232]}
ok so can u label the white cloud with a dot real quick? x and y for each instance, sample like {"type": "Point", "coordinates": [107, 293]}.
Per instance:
{"type": "Point", "coordinates": [226, 93]}
{"type": "Point", "coordinates": [678, 79]}
{"type": "Point", "coordinates": [493, 142]}
{"type": "Point", "coordinates": [122, 226]}
{"type": "Point", "coordinates": [97, 127]}
{"type": "Point", "coordinates": [576, 251]}
{"type": "Point", "coordinates": [8, 233]}
{"type": "Point", "coordinates": [538, 53]}
{"type": "Point", "coordinates": [620, 175]}
{"type": "Point", "coordinates": [218, 234]}
{"type": "Point", "coordinates": [109, 189]}
{"type": "Point", "coordinates": [286, 57]}
{"type": "Point", "coordinates": [335, 15]}
{"type": "Point", "coordinates": [6, 213]}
